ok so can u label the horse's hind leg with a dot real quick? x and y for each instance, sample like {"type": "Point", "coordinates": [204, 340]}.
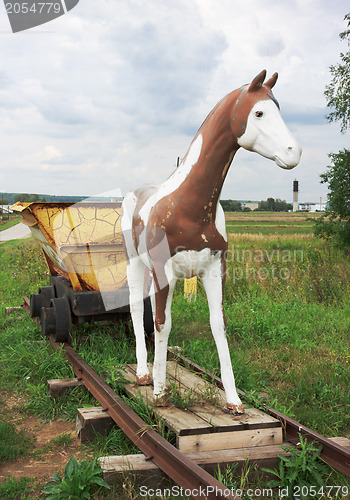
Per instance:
{"type": "Point", "coordinates": [213, 284]}
{"type": "Point", "coordinates": [163, 299]}
{"type": "Point", "coordinates": [135, 274]}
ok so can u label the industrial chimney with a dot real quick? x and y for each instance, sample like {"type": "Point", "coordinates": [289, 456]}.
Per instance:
{"type": "Point", "coordinates": [295, 195]}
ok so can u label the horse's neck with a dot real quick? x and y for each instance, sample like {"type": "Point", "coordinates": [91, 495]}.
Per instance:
{"type": "Point", "coordinates": [199, 179]}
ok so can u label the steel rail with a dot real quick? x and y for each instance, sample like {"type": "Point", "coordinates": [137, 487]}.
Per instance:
{"type": "Point", "coordinates": [186, 473]}
{"type": "Point", "coordinates": [334, 455]}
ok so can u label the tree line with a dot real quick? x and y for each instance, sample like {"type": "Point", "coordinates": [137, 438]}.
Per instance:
{"type": "Point", "coordinates": [11, 198]}
{"type": "Point", "coordinates": [335, 224]}
{"type": "Point", "coordinates": [270, 205]}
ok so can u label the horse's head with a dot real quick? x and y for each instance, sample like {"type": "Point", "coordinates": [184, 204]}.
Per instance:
{"type": "Point", "coordinates": [258, 125]}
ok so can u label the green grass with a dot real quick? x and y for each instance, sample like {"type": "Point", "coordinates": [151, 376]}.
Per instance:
{"type": "Point", "coordinates": [14, 443]}
{"type": "Point", "coordinates": [12, 221]}
{"type": "Point", "coordinates": [288, 318]}
{"type": "Point", "coordinates": [267, 223]}
{"type": "Point", "coordinates": [16, 489]}
{"type": "Point", "coordinates": [287, 304]}
{"type": "Point", "coordinates": [23, 270]}
{"type": "Point", "coordinates": [267, 228]}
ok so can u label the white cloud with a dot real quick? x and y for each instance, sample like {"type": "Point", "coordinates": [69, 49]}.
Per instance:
{"type": "Point", "coordinates": [114, 92]}
{"type": "Point", "coordinates": [270, 43]}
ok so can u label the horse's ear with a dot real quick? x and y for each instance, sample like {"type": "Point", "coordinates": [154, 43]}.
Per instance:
{"type": "Point", "coordinates": [258, 81]}
{"type": "Point", "coordinates": [271, 81]}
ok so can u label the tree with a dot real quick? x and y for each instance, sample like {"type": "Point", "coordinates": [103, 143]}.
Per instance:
{"type": "Point", "coordinates": [231, 205]}
{"type": "Point", "coordinates": [272, 205]}
{"type": "Point", "coordinates": [335, 223]}
{"type": "Point", "coordinates": [338, 91]}
{"type": "Point", "coordinates": [28, 198]}
{"type": "Point", "coordinates": [282, 206]}
{"type": "Point", "coordinates": [268, 205]}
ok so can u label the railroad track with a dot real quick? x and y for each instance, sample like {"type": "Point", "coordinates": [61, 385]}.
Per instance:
{"type": "Point", "coordinates": [186, 473]}
{"type": "Point", "coordinates": [334, 455]}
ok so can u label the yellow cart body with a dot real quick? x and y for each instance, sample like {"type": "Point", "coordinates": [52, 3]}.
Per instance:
{"type": "Point", "coordinates": [81, 241]}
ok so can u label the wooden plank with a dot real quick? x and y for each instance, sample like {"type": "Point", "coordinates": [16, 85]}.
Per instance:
{"type": "Point", "coordinates": [251, 419]}
{"type": "Point", "coordinates": [135, 470]}
{"type": "Point", "coordinates": [115, 467]}
{"type": "Point", "coordinates": [177, 420]}
{"type": "Point", "coordinates": [121, 463]}
{"type": "Point", "coordinates": [228, 440]}
{"type": "Point", "coordinates": [257, 419]}
{"type": "Point", "coordinates": [91, 421]}
{"type": "Point", "coordinates": [184, 380]}
{"type": "Point", "coordinates": [216, 416]}
{"type": "Point", "coordinates": [182, 422]}
{"type": "Point", "coordinates": [10, 310]}
{"type": "Point", "coordinates": [58, 386]}
{"type": "Point", "coordinates": [188, 380]}
{"type": "Point", "coordinates": [198, 419]}
{"type": "Point", "coordinates": [237, 454]}
{"type": "Point", "coordinates": [341, 441]}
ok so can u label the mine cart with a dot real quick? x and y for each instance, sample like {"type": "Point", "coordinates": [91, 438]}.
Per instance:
{"type": "Point", "coordinates": [83, 247]}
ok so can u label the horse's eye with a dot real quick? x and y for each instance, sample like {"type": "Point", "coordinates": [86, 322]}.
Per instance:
{"type": "Point", "coordinates": [259, 114]}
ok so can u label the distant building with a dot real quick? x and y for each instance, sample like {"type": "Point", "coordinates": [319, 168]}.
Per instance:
{"type": "Point", "coordinates": [312, 207]}
{"type": "Point", "coordinates": [253, 205]}
{"type": "Point", "coordinates": [295, 195]}
{"type": "Point", "coordinates": [5, 209]}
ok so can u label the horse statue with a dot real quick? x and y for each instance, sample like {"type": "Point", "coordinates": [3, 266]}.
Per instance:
{"type": "Point", "coordinates": [177, 230]}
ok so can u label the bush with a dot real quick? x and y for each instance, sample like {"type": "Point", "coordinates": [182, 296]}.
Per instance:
{"type": "Point", "coordinates": [335, 224]}
{"type": "Point", "coordinates": [79, 480]}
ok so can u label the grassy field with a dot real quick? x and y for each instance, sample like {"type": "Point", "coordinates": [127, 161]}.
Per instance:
{"type": "Point", "coordinates": [287, 304]}
{"type": "Point", "coordinates": [12, 220]}
{"type": "Point", "coordinates": [270, 222]}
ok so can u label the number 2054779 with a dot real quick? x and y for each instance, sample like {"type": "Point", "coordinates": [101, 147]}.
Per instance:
{"type": "Point", "coordinates": [325, 491]}
{"type": "Point", "coordinates": [33, 8]}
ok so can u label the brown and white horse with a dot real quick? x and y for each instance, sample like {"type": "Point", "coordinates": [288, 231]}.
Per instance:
{"type": "Point", "coordinates": [177, 230]}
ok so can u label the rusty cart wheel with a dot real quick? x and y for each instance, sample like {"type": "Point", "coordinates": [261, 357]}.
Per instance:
{"type": "Point", "coordinates": [41, 299]}
{"type": "Point", "coordinates": [56, 320]}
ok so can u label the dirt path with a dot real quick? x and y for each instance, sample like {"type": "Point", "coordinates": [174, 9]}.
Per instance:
{"type": "Point", "coordinates": [43, 461]}
{"type": "Point", "coordinates": [16, 232]}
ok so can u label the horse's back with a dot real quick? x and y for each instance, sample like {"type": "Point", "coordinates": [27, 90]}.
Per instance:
{"type": "Point", "coordinates": [134, 200]}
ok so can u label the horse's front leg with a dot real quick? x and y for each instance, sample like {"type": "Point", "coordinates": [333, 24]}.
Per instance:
{"type": "Point", "coordinates": [163, 299]}
{"type": "Point", "coordinates": [213, 281]}
{"type": "Point", "coordinates": [135, 275]}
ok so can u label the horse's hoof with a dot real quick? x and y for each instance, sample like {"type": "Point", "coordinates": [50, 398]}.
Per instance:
{"type": "Point", "coordinates": [144, 380]}
{"type": "Point", "coordinates": [235, 409]}
{"type": "Point", "coordinates": [162, 401]}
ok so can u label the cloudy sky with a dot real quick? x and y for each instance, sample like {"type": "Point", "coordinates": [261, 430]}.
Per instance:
{"type": "Point", "coordinates": [110, 94]}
